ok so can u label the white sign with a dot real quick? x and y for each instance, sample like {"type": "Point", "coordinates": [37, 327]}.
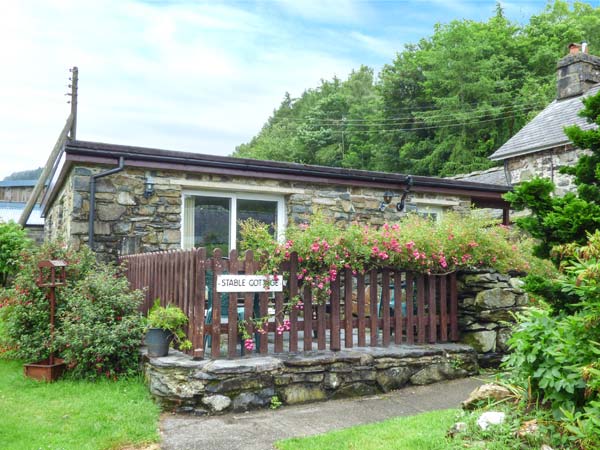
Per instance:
{"type": "Point", "coordinates": [249, 283]}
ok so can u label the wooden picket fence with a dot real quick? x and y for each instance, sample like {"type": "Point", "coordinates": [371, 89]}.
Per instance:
{"type": "Point", "coordinates": [377, 308]}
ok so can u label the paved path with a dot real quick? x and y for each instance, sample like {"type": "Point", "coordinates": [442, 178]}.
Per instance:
{"type": "Point", "coordinates": [258, 430]}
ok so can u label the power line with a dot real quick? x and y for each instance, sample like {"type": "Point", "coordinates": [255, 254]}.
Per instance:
{"type": "Point", "coordinates": [341, 124]}
{"type": "Point", "coordinates": [412, 118]}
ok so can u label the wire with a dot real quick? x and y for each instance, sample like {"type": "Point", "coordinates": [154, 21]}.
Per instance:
{"type": "Point", "coordinates": [374, 125]}
{"type": "Point", "coordinates": [412, 118]}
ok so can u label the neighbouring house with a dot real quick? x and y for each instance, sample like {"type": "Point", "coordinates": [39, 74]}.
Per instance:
{"type": "Point", "coordinates": [149, 199]}
{"type": "Point", "coordinates": [13, 197]}
{"type": "Point", "coordinates": [541, 147]}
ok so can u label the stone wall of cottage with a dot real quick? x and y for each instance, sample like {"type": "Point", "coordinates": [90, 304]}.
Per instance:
{"type": "Point", "coordinates": [128, 222]}
{"type": "Point", "coordinates": [546, 164]}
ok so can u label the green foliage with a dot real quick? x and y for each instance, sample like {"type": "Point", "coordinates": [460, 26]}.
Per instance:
{"type": "Point", "coordinates": [554, 220]}
{"type": "Point", "coordinates": [172, 319]}
{"type": "Point", "coordinates": [13, 240]}
{"type": "Point", "coordinates": [101, 329]}
{"type": "Point", "coordinates": [98, 327]}
{"type": "Point", "coordinates": [441, 107]}
{"type": "Point", "coordinates": [25, 308]}
{"type": "Point", "coordinates": [415, 243]}
{"type": "Point", "coordinates": [556, 358]}
{"type": "Point", "coordinates": [569, 219]}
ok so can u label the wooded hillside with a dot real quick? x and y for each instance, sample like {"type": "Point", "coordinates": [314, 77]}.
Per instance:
{"type": "Point", "coordinates": [441, 107]}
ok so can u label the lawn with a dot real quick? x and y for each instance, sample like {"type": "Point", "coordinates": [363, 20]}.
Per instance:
{"type": "Point", "coordinates": [422, 432]}
{"type": "Point", "coordinates": [73, 414]}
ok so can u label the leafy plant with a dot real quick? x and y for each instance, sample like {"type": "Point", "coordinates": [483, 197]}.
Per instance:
{"type": "Point", "coordinates": [13, 240]}
{"type": "Point", "coordinates": [170, 318]}
{"type": "Point", "coordinates": [98, 326]}
{"type": "Point", "coordinates": [101, 329]}
{"type": "Point", "coordinates": [275, 402]}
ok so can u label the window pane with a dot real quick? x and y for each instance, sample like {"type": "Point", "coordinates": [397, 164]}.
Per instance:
{"type": "Point", "coordinates": [263, 211]}
{"type": "Point", "coordinates": [211, 223]}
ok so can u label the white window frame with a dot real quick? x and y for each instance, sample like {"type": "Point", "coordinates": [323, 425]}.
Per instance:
{"type": "Point", "coordinates": [234, 196]}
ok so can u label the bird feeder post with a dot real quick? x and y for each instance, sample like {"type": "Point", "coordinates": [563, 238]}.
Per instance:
{"type": "Point", "coordinates": [52, 273]}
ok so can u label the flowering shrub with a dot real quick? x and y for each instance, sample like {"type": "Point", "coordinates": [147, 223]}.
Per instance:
{"type": "Point", "coordinates": [98, 327]}
{"type": "Point", "coordinates": [415, 243]}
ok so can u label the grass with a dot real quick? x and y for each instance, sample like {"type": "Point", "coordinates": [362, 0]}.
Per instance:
{"type": "Point", "coordinates": [422, 432]}
{"type": "Point", "coordinates": [73, 414]}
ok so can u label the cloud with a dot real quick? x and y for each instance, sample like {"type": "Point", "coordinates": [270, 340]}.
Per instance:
{"type": "Point", "coordinates": [328, 11]}
{"type": "Point", "coordinates": [189, 75]}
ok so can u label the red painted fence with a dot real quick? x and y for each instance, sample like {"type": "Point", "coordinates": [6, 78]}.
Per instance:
{"type": "Point", "coordinates": [377, 308]}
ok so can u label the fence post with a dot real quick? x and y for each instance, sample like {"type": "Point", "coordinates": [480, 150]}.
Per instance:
{"type": "Point", "coordinates": [232, 328]}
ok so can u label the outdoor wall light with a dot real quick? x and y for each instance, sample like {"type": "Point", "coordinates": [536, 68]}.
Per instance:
{"type": "Point", "coordinates": [148, 187]}
{"type": "Point", "coordinates": [388, 195]}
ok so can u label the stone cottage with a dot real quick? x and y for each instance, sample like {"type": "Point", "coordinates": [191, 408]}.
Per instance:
{"type": "Point", "coordinates": [144, 199]}
{"type": "Point", "coordinates": [541, 147]}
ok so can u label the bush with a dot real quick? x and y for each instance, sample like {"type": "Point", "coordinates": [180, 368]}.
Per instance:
{"type": "Point", "coordinates": [101, 328]}
{"type": "Point", "coordinates": [97, 329]}
{"type": "Point", "coordinates": [557, 358]}
{"type": "Point", "coordinates": [13, 240]}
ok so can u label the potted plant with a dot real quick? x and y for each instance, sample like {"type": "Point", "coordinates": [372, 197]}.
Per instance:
{"type": "Point", "coordinates": [165, 327]}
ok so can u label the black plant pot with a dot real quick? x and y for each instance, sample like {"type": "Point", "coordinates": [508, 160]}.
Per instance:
{"type": "Point", "coordinates": [157, 341]}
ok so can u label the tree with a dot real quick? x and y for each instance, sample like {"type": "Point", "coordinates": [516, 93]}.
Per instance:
{"type": "Point", "coordinates": [569, 219]}
{"type": "Point", "coordinates": [441, 107]}
{"type": "Point", "coordinates": [24, 175]}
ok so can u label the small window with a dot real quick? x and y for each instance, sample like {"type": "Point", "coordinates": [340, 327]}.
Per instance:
{"type": "Point", "coordinates": [211, 219]}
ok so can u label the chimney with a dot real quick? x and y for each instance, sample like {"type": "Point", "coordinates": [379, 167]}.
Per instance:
{"type": "Point", "coordinates": [577, 72]}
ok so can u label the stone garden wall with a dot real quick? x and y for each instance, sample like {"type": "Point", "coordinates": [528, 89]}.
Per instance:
{"type": "Point", "coordinates": [216, 386]}
{"type": "Point", "coordinates": [127, 222]}
{"type": "Point", "coordinates": [487, 302]}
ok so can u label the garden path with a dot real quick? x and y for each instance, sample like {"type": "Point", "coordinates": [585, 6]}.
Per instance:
{"type": "Point", "coordinates": [259, 430]}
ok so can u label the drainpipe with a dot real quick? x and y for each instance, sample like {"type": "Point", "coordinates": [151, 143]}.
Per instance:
{"type": "Point", "coordinates": [92, 213]}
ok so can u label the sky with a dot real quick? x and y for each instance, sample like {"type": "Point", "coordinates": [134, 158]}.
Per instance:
{"type": "Point", "coordinates": [198, 76]}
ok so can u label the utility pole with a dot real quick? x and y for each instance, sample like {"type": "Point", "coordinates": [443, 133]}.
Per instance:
{"type": "Point", "coordinates": [74, 82]}
{"type": "Point", "coordinates": [68, 131]}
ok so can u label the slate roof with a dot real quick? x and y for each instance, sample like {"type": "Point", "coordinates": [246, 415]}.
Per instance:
{"type": "Point", "coordinates": [495, 175]}
{"type": "Point", "coordinates": [546, 130]}
{"type": "Point", "coordinates": [12, 211]}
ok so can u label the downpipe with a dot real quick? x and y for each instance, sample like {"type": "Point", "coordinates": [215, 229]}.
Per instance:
{"type": "Point", "coordinates": [92, 213]}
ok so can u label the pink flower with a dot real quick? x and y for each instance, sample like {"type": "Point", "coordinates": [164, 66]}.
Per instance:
{"type": "Point", "coordinates": [450, 236]}
{"type": "Point", "coordinates": [416, 254]}
{"type": "Point", "coordinates": [473, 244]}
{"type": "Point", "coordinates": [320, 286]}
{"type": "Point", "coordinates": [409, 245]}
{"type": "Point", "coordinates": [315, 247]}
{"type": "Point", "coordinates": [249, 344]}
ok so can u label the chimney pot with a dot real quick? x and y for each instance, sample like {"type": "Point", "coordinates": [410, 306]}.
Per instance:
{"type": "Point", "coordinates": [574, 48]}
{"type": "Point", "coordinates": [584, 47]}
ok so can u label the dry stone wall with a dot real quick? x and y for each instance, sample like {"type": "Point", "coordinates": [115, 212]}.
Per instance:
{"type": "Point", "coordinates": [216, 386]}
{"type": "Point", "coordinates": [487, 302]}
